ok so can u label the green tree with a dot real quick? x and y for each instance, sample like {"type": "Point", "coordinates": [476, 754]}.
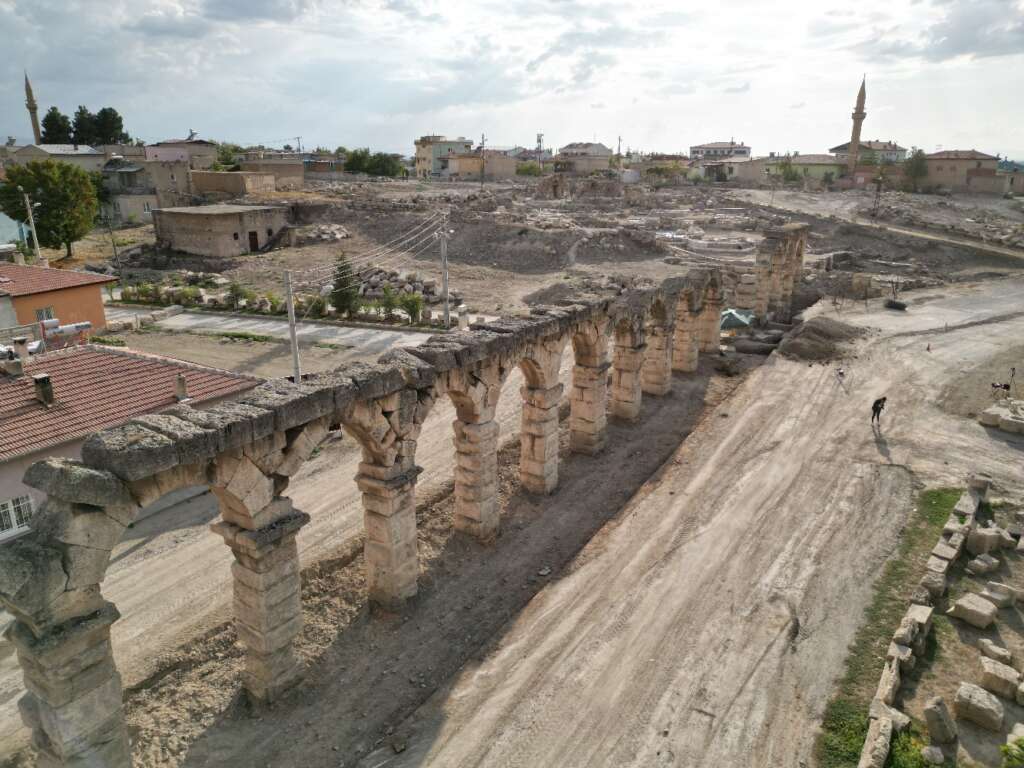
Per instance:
{"type": "Point", "coordinates": [388, 302]}
{"type": "Point", "coordinates": [412, 304]}
{"type": "Point", "coordinates": [915, 169]}
{"type": "Point", "coordinates": [357, 161]}
{"type": "Point", "coordinates": [529, 168]}
{"type": "Point", "coordinates": [102, 193]}
{"type": "Point", "coordinates": [109, 127]}
{"type": "Point", "coordinates": [66, 197]}
{"type": "Point", "coordinates": [56, 127]}
{"type": "Point", "coordinates": [287, 147]}
{"type": "Point", "coordinates": [345, 288]}
{"type": "Point", "coordinates": [226, 152]}
{"type": "Point", "coordinates": [340, 151]}
{"type": "Point", "coordinates": [83, 127]}
{"type": "Point", "coordinates": [383, 164]}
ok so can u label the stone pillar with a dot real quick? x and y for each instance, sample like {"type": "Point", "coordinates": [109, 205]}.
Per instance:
{"type": "Point", "coordinates": [267, 597]}
{"type": "Point", "coordinates": [476, 479]}
{"type": "Point", "coordinates": [475, 392]}
{"type": "Point", "coordinates": [685, 339]}
{"type": "Point", "coordinates": [538, 435]}
{"type": "Point", "coordinates": [588, 400]}
{"type": "Point", "coordinates": [73, 704]}
{"type": "Point", "coordinates": [389, 514]}
{"type": "Point", "coordinates": [711, 324]}
{"type": "Point", "coordinates": [627, 361]}
{"type": "Point", "coordinates": [763, 273]}
{"type": "Point", "coordinates": [538, 462]}
{"type": "Point", "coordinates": [657, 367]}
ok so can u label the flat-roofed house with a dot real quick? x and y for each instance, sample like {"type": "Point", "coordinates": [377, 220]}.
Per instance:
{"type": "Point", "coordinates": [218, 230]}
{"type": "Point", "coordinates": [50, 403]}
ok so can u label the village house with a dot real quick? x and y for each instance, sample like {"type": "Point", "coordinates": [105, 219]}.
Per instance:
{"type": "Point", "coordinates": [582, 158]}
{"type": "Point", "coordinates": [199, 154]}
{"type": "Point", "coordinates": [50, 403]}
{"type": "Point", "coordinates": [819, 168]}
{"type": "Point", "coordinates": [32, 294]}
{"type": "Point", "coordinates": [964, 170]}
{"type": "Point", "coordinates": [86, 158]}
{"type": "Point", "coordinates": [137, 187]}
{"type": "Point", "coordinates": [496, 165]}
{"type": "Point", "coordinates": [881, 151]}
{"type": "Point", "coordinates": [719, 149]}
{"type": "Point", "coordinates": [288, 172]}
{"type": "Point", "coordinates": [432, 153]}
{"type": "Point", "coordinates": [218, 230]}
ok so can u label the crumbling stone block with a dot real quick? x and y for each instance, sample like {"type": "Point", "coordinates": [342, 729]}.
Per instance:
{"type": "Point", "coordinates": [941, 728]}
{"type": "Point", "coordinates": [997, 652]}
{"type": "Point", "coordinates": [1000, 595]}
{"type": "Point", "coordinates": [876, 745]}
{"type": "Point", "coordinates": [999, 678]}
{"type": "Point", "coordinates": [975, 610]}
{"type": "Point", "coordinates": [982, 541]}
{"type": "Point", "coordinates": [982, 565]}
{"type": "Point", "coordinates": [130, 451]}
{"type": "Point", "coordinates": [978, 706]}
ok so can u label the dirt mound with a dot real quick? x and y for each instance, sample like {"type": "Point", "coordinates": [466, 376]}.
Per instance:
{"type": "Point", "coordinates": [821, 338]}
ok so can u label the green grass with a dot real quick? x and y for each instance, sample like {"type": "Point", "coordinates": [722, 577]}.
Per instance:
{"type": "Point", "coordinates": [845, 723]}
{"type": "Point", "coordinates": [110, 341]}
{"type": "Point", "coordinates": [239, 335]}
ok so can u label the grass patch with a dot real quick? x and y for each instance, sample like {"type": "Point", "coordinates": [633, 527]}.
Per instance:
{"type": "Point", "coordinates": [240, 336]}
{"type": "Point", "coordinates": [846, 717]}
{"type": "Point", "coordinates": [109, 341]}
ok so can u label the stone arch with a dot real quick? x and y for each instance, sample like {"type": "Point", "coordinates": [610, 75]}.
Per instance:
{"type": "Point", "coordinates": [710, 320]}
{"type": "Point", "coordinates": [627, 363]}
{"type": "Point", "coordinates": [686, 334]}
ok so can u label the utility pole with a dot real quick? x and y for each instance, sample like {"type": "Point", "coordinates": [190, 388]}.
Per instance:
{"type": "Point", "coordinates": [483, 159]}
{"type": "Point", "coordinates": [291, 325]}
{"type": "Point", "coordinates": [442, 234]}
{"type": "Point", "coordinates": [32, 224]}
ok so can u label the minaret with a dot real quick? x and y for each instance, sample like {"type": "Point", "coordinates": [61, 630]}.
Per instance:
{"type": "Point", "coordinates": [30, 104]}
{"type": "Point", "coordinates": [858, 118]}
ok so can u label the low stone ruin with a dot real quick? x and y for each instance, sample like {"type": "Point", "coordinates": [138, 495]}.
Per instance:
{"type": "Point", "coordinates": [1006, 415]}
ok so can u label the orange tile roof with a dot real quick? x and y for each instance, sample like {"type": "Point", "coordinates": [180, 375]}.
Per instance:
{"type": "Point", "coordinates": [97, 387]}
{"type": "Point", "coordinates": [960, 154]}
{"type": "Point", "coordinates": [20, 280]}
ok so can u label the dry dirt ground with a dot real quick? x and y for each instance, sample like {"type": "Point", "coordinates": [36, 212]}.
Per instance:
{"type": "Point", "coordinates": [705, 624]}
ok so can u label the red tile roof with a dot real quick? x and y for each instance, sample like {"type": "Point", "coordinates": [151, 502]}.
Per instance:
{"type": "Point", "coordinates": [97, 387]}
{"type": "Point", "coordinates": [19, 280]}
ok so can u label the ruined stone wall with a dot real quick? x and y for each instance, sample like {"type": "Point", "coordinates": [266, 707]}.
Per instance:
{"type": "Point", "coordinates": [247, 450]}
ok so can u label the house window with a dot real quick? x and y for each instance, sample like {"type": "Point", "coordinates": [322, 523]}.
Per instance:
{"type": "Point", "coordinates": [14, 515]}
{"type": "Point", "coordinates": [978, 164]}
{"type": "Point", "coordinates": [146, 208]}
{"type": "Point", "coordinates": [172, 177]}
{"type": "Point", "coordinates": [270, 232]}
{"type": "Point", "coordinates": [45, 313]}
{"type": "Point", "coordinates": [235, 236]}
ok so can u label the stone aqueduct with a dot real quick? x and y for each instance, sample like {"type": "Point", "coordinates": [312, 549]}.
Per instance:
{"type": "Point", "coordinates": [247, 450]}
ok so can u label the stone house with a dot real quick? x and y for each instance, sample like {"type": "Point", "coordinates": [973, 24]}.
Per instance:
{"type": "Point", "coordinates": [196, 153]}
{"type": "Point", "coordinates": [467, 167]}
{"type": "Point", "coordinates": [50, 403]}
{"type": "Point", "coordinates": [289, 173]}
{"type": "Point", "coordinates": [31, 294]}
{"type": "Point", "coordinates": [964, 170]}
{"type": "Point", "coordinates": [883, 151]}
{"type": "Point", "coordinates": [218, 230]}
{"type": "Point", "coordinates": [233, 183]}
{"type": "Point", "coordinates": [432, 150]}
{"type": "Point", "coordinates": [86, 158]}
{"type": "Point", "coordinates": [817, 168]}
{"type": "Point", "coordinates": [137, 187]}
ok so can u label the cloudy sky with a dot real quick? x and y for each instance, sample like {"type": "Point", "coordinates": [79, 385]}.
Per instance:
{"type": "Point", "coordinates": [781, 75]}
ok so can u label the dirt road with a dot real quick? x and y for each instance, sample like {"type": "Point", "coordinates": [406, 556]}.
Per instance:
{"type": "Point", "coordinates": [705, 625]}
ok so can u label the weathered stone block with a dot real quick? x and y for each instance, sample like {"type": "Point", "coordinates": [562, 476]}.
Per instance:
{"type": "Point", "coordinates": [73, 481]}
{"type": "Point", "coordinates": [999, 678]}
{"type": "Point", "coordinates": [130, 451]}
{"type": "Point", "coordinates": [981, 541]}
{"type": "Point", "coordinates": [292, 404]}
{"type": "Point", "coordinates": [192, 442]}
{"type": "Point", "coordinates": [933, 755]}
{"type": "Point", "coordinates": [1000, 595]}
{"type": "Point", "coordinates": [997, 652]}
{"type": "Point", "coordinates": [978, 706]}
{"type": "Point", "coordinates": [879, 709]}
{"type": "Point", "coordinates": [876, 745]}
{"type": "Point", "coordinates": [31, 577]}
{"type": "Point", "coordinates": [982, 565]}
{"type": "Point", "coordinates": [889, 683]}
{"type": "Point", "coordinates": [76, 524]}
{"type": "Point", "coordinates": [941, 728]}
{"type": "Point", "coordinates": [975, 610]}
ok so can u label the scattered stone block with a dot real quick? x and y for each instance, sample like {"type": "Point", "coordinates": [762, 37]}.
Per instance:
{"type": "Point", "coordinates": [941, 728]}
{"type": "Point", "coordinates": [879, 709]}
{"type": "Point", "coordinates": [902, 654]}
{"type": "Point", "coordinates": [933, 755]}
{"type": "Point", "coordinates": [944, 551]}
{"type": "Point", "coordinates": [999, 678]}
{"type": "Point", "coordinates": [1006, 539]}
{"type": "Point", "coordinates": [981, 541]}
{"type": "Point", "coordinates": [889, 683]}
{"type": "Point", "coordinates": [982, 565]}
{"type": "Point", "coordinates": [975, 610]}
{"type": "Point", "coordinates": [1016, 733]}
{"type": "Point", "coordinates": [997, 652]}
{"type": "Point", "coordinates": [1000, 595]}
{"type": "Point", "coordinates": [980, 707]}
{"type": "Point", "coordinates": [876, 745]}
{"type": "Point", "coordinates": [934, 583]}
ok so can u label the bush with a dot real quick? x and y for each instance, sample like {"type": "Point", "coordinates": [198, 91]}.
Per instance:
{"type": "Point", "coordinates": [277, 303]}
{"type": "Point", "coordinates": [388, 303]}
{"type": "Point", "coordinates": [238, 292]}
{"type": "Point", "coordinates": [529, 168]}
{"type": "Point", "coordinates": [317, 306]}
{"type": "Point", "coordinates": [345, 290]}
{"type": "Point", "coordinates": [1013, 754]}
{"type": "Point", "coordinates": [109, 341]}
{"type": "Point", "coordinates": [412, 305]}
{"type": "Point", "coordinates": [189, 296]}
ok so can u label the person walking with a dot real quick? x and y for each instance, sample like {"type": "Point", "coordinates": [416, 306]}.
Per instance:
{"type": "Point", "coordinates": [876, 410]}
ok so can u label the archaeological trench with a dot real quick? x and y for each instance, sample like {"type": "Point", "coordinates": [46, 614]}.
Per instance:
{"type": "Point", "coordinates": [247, 450]}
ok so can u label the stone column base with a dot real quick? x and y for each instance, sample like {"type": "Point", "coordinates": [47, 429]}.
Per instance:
{"type": "Point", "coordinates": [391, 551]}
{"type": "Point", "coordinates": [538, 461]}
{"type": "Point", "coordinates": [476, 479]}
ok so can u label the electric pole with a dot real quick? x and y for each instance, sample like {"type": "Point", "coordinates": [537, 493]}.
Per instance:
{"type": "Point", "coordinates": [443, 234]}
{"type": "Point", "coordinates": [32, 225]}
{"type": "Point", "coordinates": [291, 326]}
{"type": "Point", "coordinates": [483, 159]}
